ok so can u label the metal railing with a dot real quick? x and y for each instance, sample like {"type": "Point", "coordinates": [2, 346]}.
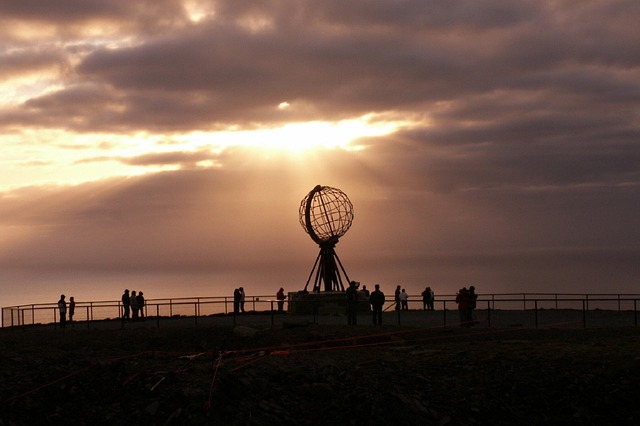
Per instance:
{"type": "Point", "coordinates": [499, 310]}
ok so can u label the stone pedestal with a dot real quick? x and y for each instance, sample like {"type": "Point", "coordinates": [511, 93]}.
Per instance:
{"type": "Point", "coordinates": [323, 303]}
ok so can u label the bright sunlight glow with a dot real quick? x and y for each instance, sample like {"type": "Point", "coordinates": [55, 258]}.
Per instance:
{"type": "Point", "coordinates": [297, 138]}
{"type": "Point", "coordinates": [73, 159]}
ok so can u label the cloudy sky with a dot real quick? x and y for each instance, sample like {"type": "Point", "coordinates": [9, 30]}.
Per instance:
{"type": "Point", "coordinates": [167, 144]}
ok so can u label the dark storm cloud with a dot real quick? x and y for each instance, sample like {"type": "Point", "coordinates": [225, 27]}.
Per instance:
{"type": "Point", "coordinates": [69, 18]}
{"type": "Point", "coordinates": [340, 59]}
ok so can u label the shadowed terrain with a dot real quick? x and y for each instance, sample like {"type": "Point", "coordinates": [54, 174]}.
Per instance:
{"type": "Point", "coordinates": [319, 374]}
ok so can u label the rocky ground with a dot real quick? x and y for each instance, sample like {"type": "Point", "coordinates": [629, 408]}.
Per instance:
{"type": "Point", "coordinates": [319, 375]}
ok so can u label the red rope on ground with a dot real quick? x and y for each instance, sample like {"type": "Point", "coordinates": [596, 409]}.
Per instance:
{"type": "Point", "coordinates": [46, 385]}
{"type": "Point", "coordinates": [216, 368]}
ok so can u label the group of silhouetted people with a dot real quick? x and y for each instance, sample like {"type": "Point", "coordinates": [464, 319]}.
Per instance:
{"type": "Point", "coordinates": [466, 300]}
{"type": "Point", "coordinates": [376, 301]}
{"type": "Point", "coordinates": [62, 309]}
{"type": "Point", "coordinates": [132, 305]}
{"type": "Point", "coordinates": [238, 300]}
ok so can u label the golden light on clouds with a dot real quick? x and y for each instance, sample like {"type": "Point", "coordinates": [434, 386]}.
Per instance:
{"type": "Point", "coordinates": [297, 137]}
{"type": "Point", "coordinates": [67, 158]}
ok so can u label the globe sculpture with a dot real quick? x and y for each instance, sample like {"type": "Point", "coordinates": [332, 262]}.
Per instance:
{"type": "Point", "coordinates": [326, 215]}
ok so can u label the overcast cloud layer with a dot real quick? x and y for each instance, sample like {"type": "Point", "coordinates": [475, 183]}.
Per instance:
{"type": "Point", "coordinates": [518, 168]}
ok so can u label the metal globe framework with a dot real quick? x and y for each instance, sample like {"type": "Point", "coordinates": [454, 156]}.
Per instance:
{"type": "Point", "coordinates": [326, 214]}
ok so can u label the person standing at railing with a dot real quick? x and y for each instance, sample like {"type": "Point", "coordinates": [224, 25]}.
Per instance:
{"type": "Point", "coordinates": [377, 302]}
{"type": "Point", "coordinates": [432, 299]}
{"type": "Point", "coordinates": [241, 289]}
{"type": "Point", "coordinates": [134, 305]}
{"type": "Point", "coordinates": [397, 298]}
{"type": "Point", "coordinates": [62, 308]}
{"type": "Point", "coordinates": [365, 292]}
{"type": "Point", "coordinates": [427, 299]}
{"type": "Point", "coordinates": [236, 301]}
{"type": "Point", "coordinates": [126, 305]}
{"type": "Point", "coordinates": [140, 300]}
{"type": "Point", "coordinates": [472, 304]}
{"type": "Point", "coordinates": [404, 300]}
{"type": "Point", "coordinates": [462, 299]}
{"type": "Point", "coordinates": [281, 297]}
{"type": "Point", "coordinates": [72, 308]}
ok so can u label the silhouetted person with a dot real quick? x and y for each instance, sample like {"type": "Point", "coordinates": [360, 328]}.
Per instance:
{"type": "Point", "coordinates": [462, 299]}
{"type": "Point", "coordinates": [72, 308]}
{"type": "Point", "coordinates": [352, 304]}
{"type": "Point", "coordinates": [140, 301]}
{"type": "Point", "coordinates": [473, 297]}
{"type": "Point", "coordinates": [397, 298]}
{"type": "Point", "coordinates": [241, 299]}
{"type": "Point", "coordinates": [126, 305]}
{"type": "Point", "coordinates": [62, 308]}
{"type": "Point", "coordinates": [134, 305]}
{"type": "Point", "coordinates": [376, 299]}
{"type": "Point", "coordinates": [236, 301]}
{"type": "Point", "coordinates": [281, 297]}
{"type": "Point", "coordinates": [365, 292]}
{"type": "Point", "coordinates": [404, 300]}
{"type": "Point", "coordinates": [425, 298]}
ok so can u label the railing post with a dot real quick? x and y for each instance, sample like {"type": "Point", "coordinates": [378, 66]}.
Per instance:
{"type": "Point", "coordinates": [89, 322]}
{"type": "Point", "coordinates": [158, 315]}
{"type": "Point", "coordinates": [55, 319]}
{"type": "Point", "coordinates": [195, 311]}
{"type": "Point", "coordinates": [488, 313]}
{"type": "Point", "coordinates": [33, 315]}
{"type": "Point", "coordinates": [524, 301]}
{"type": "Point", "coordinates": [535, 307]}
{"type": "Point", "coordinates": [272, 318]}
{"type": "Point", "coordinates": [170, 308]}
{"type": "Point", "coordinates": [556, 301]}
{"type": "Point", "coordinates": [584, 314]}
{"type": "Point", "coordinates": [587, 299]}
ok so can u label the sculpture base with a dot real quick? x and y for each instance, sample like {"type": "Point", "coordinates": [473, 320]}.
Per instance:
{"type": "Point", "coordinates": [323, 303]}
